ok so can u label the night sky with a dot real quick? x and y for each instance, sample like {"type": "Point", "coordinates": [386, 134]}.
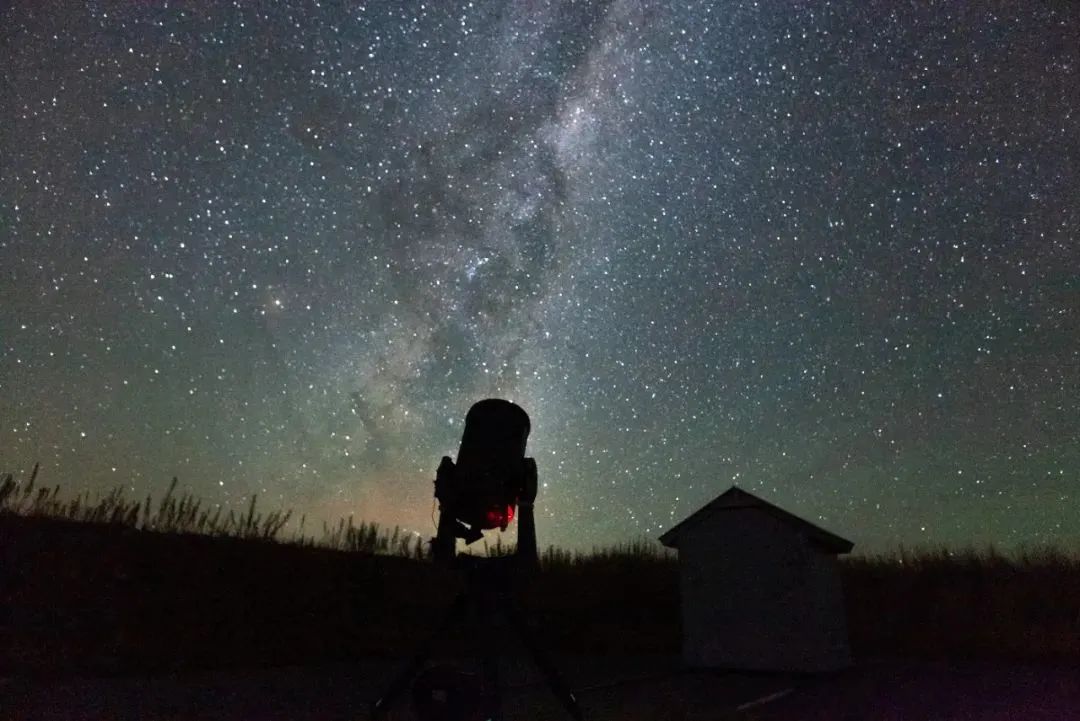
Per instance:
{"type": "Point", "coordinates": [827, 252]}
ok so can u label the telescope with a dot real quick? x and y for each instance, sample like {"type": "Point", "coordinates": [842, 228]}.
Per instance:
{"type": "Point", "coordinates": [491, 478]}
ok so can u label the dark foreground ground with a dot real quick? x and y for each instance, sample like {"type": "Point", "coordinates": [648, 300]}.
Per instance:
{"type": "Point", "coordinates": [642, 688]}
{"type": "Point", "coordinates": [101, 622]}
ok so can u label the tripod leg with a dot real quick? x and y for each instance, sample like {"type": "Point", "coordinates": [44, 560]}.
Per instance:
{"type": "Point", "coordinates": [544, 663]}
{"type": "Point", "coordinates": [492, 687]}
{"type": "Point", "coordinates": [401, 682]}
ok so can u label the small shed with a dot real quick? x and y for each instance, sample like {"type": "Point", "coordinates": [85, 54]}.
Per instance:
{"type": "Point", "coordinates": [760, 588]}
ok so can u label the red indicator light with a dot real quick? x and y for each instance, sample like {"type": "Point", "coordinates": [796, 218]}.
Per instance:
{"type": "Point", "coordinates": [498, 517]}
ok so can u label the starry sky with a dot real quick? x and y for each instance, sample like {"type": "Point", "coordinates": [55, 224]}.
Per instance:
{"type": "Point", "coordinates": [829, 252]}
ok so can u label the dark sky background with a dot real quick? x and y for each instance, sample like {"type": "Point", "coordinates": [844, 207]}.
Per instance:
{"type": "Point", "coordinates": [828, 252]}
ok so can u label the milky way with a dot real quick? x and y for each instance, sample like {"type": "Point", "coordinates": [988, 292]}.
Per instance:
{"type": "Point", "coordinates": [829, 253]}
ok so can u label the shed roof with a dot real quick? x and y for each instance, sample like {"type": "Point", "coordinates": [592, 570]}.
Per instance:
{"type": "Point", "coordinates": [736, 498]}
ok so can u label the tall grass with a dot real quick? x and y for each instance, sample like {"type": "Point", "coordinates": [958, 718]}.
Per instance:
{"type": "Point", "coordinates": [930, 558]}
{"type": "Point", "coordinates": [639, 552]}
{"type": "Point", "coordinates": [926, 602]}
{"type": "Point", "coordinates": [369, 537]}
{"type": "Point", "coordinates": [941, 602]}
{"type": "Point", "coordinates": [184, 513]}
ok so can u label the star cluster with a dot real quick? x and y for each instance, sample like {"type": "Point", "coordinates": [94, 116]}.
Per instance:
{"type": "Point", "coordinates": [828, 252]}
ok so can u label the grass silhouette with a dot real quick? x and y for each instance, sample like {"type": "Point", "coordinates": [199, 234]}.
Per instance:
{"type": "Point", "coordinates": [182, 583]}
{"type": "Point", "coordinates": [971, 603]}
{"type": "Point", "coordinates": [184, 513]}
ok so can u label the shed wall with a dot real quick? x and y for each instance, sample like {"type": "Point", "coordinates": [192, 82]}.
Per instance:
{"type": "Point", "coordinates": [756, 595]}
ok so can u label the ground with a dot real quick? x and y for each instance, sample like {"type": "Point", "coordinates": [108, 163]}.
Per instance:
{"type": "Point", "coordinates": [608, 689]}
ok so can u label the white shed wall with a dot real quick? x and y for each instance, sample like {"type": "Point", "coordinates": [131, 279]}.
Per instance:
{"type": "Point", "coordinates": [756, 595]}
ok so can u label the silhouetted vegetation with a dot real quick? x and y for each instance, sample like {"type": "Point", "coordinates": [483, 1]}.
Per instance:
{"type": "Point", "coordinates": [184, 513]}
{"type": "Point", "coordinates": [106, 582]}
{"type": "Point", "coordinates": [942, 603]}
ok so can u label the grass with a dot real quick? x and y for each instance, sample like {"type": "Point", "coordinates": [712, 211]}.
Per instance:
{"type": "Point", "coordinates": [942, 603]}
{"type": "Point", "coordinates": [919, 603]}
{"type": "Point", "coordinates": [184, 513]}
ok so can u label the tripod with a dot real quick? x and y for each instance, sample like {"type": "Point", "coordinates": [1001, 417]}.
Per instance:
{"type": "Point", "coordinates": [485, 604]}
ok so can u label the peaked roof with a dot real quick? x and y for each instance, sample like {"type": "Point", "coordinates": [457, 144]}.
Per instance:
{"type": "Point", "coordinates": [736, 498]}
